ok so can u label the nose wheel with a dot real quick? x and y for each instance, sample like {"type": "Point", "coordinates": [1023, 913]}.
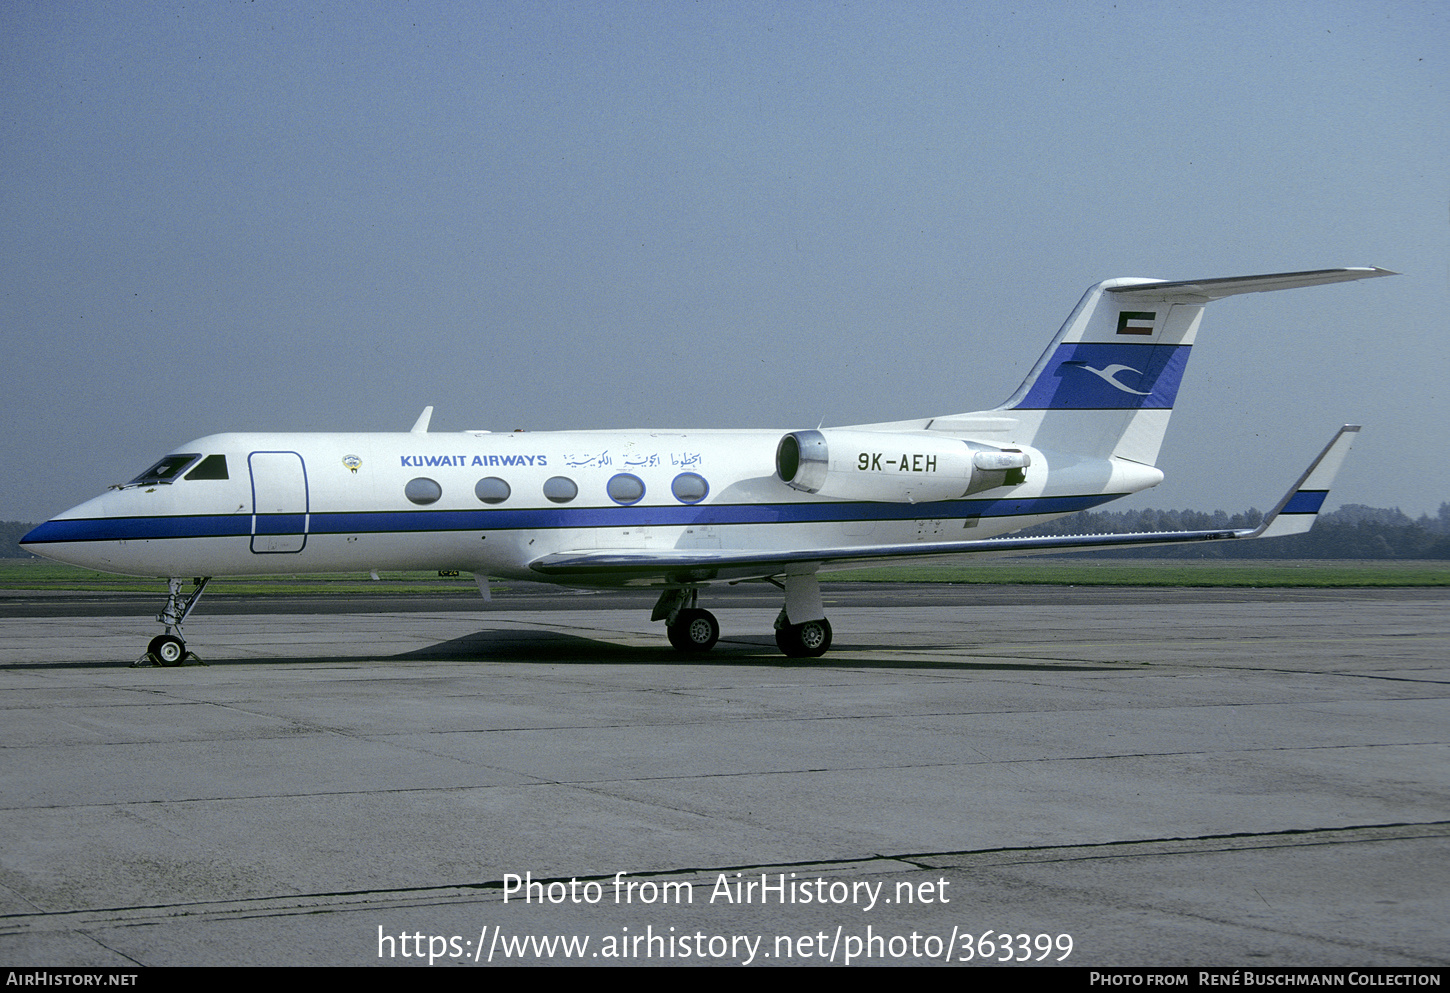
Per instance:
{"type": "Point", "coordinates": [167, 649]}
{"type": "Point", "coordinates": [170, 649]}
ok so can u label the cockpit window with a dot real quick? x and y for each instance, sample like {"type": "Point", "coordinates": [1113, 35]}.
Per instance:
{"type": "Point", "coordinates": [211, 467]}
{"type": "Point", "coordinates": [166, 470]}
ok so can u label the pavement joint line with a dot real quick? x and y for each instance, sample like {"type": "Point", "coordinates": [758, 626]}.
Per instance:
{"type": "Point", "coordinates": [491, 890]}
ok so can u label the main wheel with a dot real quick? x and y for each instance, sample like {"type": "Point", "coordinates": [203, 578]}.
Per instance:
{"type": "Point", "coordinates": [810, 640]}
{"type": "Point", "coordinates": [694, 630]}
{"type": "Point", "coordinates": [168, 649]}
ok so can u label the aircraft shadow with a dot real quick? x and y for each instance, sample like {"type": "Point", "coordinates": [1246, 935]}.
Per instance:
{"type": "Point", "coordinates": [560, 648]}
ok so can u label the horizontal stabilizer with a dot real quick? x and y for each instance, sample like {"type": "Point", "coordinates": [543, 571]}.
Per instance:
{"type": "Point", "coordinates": [1204, 290]}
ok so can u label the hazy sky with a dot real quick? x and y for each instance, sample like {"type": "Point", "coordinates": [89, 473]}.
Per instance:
{"type": "Point", "coordinates": [324, 216]}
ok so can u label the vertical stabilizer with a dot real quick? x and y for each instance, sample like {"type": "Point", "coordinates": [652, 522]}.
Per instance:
{"type": "Point", "coordinates": [1107, 384]}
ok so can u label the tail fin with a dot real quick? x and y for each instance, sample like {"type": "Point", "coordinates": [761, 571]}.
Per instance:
{"type": "Point", "coordinates": [1107, 383]}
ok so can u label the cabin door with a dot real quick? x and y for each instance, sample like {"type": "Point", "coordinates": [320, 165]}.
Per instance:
{"type": "Point", "coordinates": [279, 502]}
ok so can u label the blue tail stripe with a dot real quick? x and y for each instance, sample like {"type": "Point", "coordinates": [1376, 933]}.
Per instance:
{"type": "Point", "coordinates": [1108, 376]}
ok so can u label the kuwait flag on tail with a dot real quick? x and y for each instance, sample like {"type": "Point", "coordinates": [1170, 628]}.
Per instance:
{"type": "Point", "coordinates": [1136, 321]}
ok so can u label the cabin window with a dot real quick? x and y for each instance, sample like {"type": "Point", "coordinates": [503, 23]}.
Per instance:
{"type": "Point", "coordinates": [491, 489]}
{"type": "Point", "coordinates": [625, 488]}
{"type": "Point", "coordinates": [422, 491]}
{"type": "Point", "coordinates": [166, 470]}
{"type": "Point", "coordinates": [211, 467]}
{"type": "Point", "coordinates": [690, 487]}
{"type": "Point", "coordinates": [560, 489]}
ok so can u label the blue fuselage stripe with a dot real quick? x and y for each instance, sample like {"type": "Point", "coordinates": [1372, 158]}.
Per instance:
{"type": "Point", "coordinates": [546, 518]}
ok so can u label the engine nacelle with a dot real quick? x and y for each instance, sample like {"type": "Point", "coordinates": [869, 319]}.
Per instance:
{"type": "Point", "coordinates": [894, 467]}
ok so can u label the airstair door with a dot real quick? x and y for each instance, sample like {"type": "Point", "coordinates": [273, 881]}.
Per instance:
{"type": "Point", "coordinates": [279, 502]}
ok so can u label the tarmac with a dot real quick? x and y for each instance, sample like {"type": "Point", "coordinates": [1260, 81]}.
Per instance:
{"type": "Point", "coordinates": [1074, 776]}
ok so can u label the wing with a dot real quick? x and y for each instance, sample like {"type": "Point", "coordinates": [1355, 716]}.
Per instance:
{"type": "Point", "coordinates": [1294, 514]}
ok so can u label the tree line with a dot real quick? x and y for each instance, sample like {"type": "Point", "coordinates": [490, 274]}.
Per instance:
{"type": "Point", "coordinates": [1354, 531]}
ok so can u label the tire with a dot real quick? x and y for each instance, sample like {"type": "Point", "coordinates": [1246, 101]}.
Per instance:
{"type": "Point", "coordinates": [810, 640]}
{"type": "Point", "coordinates": [694, 631]}
{"type": "Point", "coordinates": [785, 640]}
{"type": "Point", "coordinates": [167, 649]}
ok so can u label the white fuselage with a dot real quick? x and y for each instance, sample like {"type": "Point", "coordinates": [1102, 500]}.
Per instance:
{"type": "Point", "coordinates": [294, 503]}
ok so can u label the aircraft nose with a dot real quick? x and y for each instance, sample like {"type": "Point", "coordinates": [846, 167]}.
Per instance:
{"type": "Point", "coordinates": [35, 539]}
{"type": "Point", "coordinates": [74, 537]}
{"type": "Point", "coordinates": [46, 539]}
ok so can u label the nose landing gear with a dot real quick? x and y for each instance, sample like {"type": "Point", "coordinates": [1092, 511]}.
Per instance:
{"type": "Point", "coordinates": [170, 649]}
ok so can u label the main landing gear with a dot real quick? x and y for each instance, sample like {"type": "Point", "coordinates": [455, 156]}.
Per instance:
{"type": "Point", "coordinates": [693, 630]}
{"type": "Point", "coordinates": [169, 649]}
{"type": "Point", "coordinates": [690, 629]}
{"type": "Point", "coordinates": [810, 640]}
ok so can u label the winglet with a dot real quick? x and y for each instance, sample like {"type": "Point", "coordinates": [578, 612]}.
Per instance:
{"type": "Point", "coordinates": [1296, 512]}
{"type": "Point", "coordinates": [420, 426]}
